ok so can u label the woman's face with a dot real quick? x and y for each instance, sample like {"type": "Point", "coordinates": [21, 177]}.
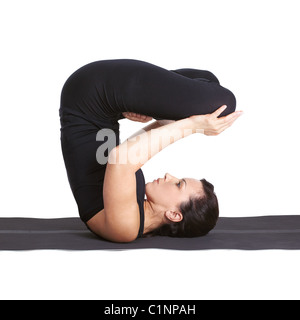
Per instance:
{"type": "Point", "coordinates": [169, 192]}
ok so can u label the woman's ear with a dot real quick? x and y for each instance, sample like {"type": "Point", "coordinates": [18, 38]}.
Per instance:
{"type": "Point", "coordinates": [174, 216]}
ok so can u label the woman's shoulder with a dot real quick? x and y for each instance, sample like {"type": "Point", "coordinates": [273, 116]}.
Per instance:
{"type": "Point", "coordinates": [121, 219]}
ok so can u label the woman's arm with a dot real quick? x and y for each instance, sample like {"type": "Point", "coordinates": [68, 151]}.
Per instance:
{"type": "Point", "coordinates": [121, 216]}
{"type": "Point", "coordinates": [134, 153]}
{"type": "Point", "coordinates": [121, 219]}
{"type": "Point", "coordinates": [142, 118]}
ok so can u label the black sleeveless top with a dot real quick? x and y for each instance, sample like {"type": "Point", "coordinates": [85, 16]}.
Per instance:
{"type": "Point", "coordinates": [140, 192]}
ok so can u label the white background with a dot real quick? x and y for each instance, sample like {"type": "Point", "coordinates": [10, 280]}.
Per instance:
{"type": "Point", "coordinates": [252, 47]}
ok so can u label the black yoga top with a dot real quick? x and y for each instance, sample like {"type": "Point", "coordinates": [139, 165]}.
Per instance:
{"type": "Point", "coordinates": [95, 96]}
{"type": "Point", "coordinates": [140, 193]}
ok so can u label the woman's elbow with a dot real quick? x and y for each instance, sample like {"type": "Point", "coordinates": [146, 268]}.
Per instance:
{"type": "Point", "coordinates": [123, 238]}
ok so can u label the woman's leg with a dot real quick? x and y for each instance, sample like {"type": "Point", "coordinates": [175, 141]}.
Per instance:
{"type": "Point", "coordinates": [197, 74]}
{"type": "Point", "coordinates": [173, 95]}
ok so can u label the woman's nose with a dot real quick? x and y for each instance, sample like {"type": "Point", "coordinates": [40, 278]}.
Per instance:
{"type": "Point", "coordinates": [168, 176]}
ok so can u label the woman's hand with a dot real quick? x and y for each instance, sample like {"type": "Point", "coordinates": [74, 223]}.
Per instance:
{"type": "Point", "coordinates": [136, 117]}
{"type": "Point", "coordinates": [211, 125]}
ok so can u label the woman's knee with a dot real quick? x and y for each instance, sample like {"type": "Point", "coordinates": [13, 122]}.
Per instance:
{"type": "Point", "coordinates": [230, 101]}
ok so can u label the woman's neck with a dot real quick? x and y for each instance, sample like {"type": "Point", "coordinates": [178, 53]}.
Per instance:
{"type": "Point", "coordinates": [153, 219]}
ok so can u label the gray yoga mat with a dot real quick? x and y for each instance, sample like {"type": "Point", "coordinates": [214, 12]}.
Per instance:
{"type": "Point", "coordinates": [254, 233]}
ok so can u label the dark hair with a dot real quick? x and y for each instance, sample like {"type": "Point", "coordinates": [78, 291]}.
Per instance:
{"type": "Point", "coordinates": [200, 216]}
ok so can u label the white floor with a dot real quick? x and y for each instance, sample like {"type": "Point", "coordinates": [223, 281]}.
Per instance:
{"type": "Point", "coordinates": [150, 274]}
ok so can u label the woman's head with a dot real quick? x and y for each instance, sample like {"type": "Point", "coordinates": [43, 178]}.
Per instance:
{"type": "Point", "coordinates": [189, 206]}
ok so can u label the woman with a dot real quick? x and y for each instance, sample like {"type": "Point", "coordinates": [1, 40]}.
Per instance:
{"type": "Point", "coordinates": [111, 195]}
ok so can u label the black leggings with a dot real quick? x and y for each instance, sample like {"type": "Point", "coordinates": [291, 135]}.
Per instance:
{"type": "Point", "coordinates": [94, 98]}
{"type": "Point", "coordinates": [105, 89]}
{"type": "Point", "coordinates": [179, 94]}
